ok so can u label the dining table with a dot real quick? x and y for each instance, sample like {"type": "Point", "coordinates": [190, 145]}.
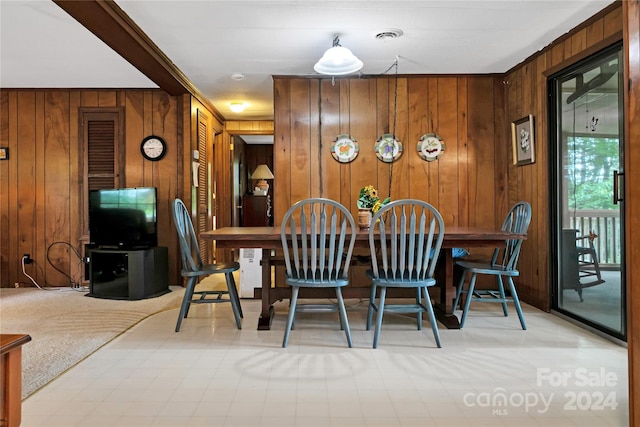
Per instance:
{"type": "Point", "coordinates": [269, 240]}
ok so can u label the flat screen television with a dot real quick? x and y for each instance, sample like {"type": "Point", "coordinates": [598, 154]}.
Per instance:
{"type": "Point", "coordinates": [123, 218]}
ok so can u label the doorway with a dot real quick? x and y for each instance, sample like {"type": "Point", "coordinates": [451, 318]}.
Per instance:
{"type": "Point", "coordinates": [586, 140]}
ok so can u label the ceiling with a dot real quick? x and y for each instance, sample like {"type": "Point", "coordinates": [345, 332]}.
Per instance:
{"type": "Point", "coordinates": [41, 46]}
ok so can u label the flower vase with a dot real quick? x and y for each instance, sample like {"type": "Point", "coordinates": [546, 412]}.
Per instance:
{"type": "Point", "coordinates": [364, 218]}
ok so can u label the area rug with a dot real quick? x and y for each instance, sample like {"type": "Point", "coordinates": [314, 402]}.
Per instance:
{"type": "Point", "coordinates": [66, 326]}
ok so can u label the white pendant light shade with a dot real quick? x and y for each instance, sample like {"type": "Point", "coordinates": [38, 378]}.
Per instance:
{"type": "Point", "coordinates": [337, 61]}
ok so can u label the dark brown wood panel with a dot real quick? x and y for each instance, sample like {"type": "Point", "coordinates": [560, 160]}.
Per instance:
{"type": "Point", "coordinates": [632, 202]}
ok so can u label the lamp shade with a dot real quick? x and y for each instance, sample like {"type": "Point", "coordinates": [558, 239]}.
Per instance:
{"type": "Point", "coordinates": [262, 172]}
{"type": "Point", "coordinates": [337, 61]}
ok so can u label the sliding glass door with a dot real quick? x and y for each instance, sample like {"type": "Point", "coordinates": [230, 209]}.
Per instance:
{"type": "Point", "coordinates": [588, 225]}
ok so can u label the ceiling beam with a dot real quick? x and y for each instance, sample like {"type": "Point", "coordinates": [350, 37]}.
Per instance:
{"type": "Point", "coordinates": [112, 25]}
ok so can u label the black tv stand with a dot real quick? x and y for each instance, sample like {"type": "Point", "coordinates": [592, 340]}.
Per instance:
{"type": "Point", "coordinates": [129, 274]}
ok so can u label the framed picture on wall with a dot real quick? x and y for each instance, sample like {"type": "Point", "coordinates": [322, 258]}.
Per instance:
{"type": "Point", "coordinates": [523, 142]}
{"type": "Point", "coordinates": [4, 153]}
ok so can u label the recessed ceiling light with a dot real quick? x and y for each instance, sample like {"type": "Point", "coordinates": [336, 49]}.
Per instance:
{"type": "Point", "coordinates": [388, 33]}
{"type": "Point", "coordinates": [237, 76]}
{"type": "Point", "coordinates": [237, 107]}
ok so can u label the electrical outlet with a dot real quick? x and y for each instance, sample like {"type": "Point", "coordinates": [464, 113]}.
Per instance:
{"type": "Point", "coordinates": [27, 259]}
{"type": "Point", "coordinates": [17, 284]}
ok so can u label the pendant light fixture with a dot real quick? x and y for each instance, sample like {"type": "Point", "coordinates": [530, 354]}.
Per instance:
{"type": "Point", "coordinates": [338, 61]}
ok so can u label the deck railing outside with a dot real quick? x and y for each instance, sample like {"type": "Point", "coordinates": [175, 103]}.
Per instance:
{"type": "Point", "coordinates": [606, 224]}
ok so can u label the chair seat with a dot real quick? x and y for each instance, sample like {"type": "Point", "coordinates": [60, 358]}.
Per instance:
{"type": "Point", "coordinates": [487, 268]}
{"type": "Point", "coordinates": [311, 283]}
{"type": "Point", "coordinates": [208, 269]}
{"type": "Point", "coordinates": [406, 282]}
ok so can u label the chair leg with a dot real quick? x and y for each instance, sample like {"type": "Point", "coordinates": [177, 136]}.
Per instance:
{"type": "Point", "coordinates": [232, 287]}
{"type": "Point", "coordinates": [472, 285]}
{"type": "Point", "coordinates": [432, 317]}
{"type": "Point", "coordinates": [516, 302]}
{"type": "Point", "coordinates": [376, 334]}
{"type": "Point", "coordinates": [343, 316]}
{"type": "Point", "coordinates": [419, 313]}
{"type": "Point", "coordinates": [186, 301]}
{"type": "Point", "coordinates": [292, 313]}
{"type": "Point", "coordinates": [372, 307]}
{"type": "Point", "coordinates": [503, 296]}
{"type": "Point", "coordinates": [233, 297]}
{"type": "Point", "coordinates": [459, 292]}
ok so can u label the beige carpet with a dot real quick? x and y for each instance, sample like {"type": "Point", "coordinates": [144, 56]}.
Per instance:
{"type": "Point", "coordinates": [66, 326]}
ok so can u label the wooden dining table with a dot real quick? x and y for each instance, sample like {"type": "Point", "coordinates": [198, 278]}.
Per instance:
{"type": "Point", "coordinates": [268, 238]}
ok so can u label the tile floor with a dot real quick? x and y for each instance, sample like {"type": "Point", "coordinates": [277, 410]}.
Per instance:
{"type": "Point", "coordinates": [491, 373]}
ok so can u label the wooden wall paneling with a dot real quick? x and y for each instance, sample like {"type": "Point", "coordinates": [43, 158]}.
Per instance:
{"type": "Point", "coordinates": [89, 98]}
{"type": "Point", "coordinates": [134, 134]}
{"type": "Point", "coordinates": [418, 125]}
{"type": "Point", "coordinates": [433, 180]}
{"type": "Point", "coordinates": [446, 166]}
{"type": "Point", "coordinates": [613, 20]}
{"type": "Point", "coordinates": [56, 209]}
{"type": "Point", "coordinates": [249, 126]}
{"type": "Point", "coordinates": [5, 249]}
{"type": "Point", "coordinates": [557, 54]}
{"type": "Point", "coordinates": [107, 98]}
{"type": "Point", "coordinates": [281, 148]}
{"type": "Point", "coordinates": [594, 32]}
{"type": "Point", "coordinates": [382, 123]}
{"type": "Point", "coordinates": [540, 235]}
{"type": "Point", "coordinates": [502, 143]}
{"type": "Point", "coordinates": [317, 161]}
{"type": "Point", "coordinates": [302, 147]}
{"type": "Point", "coordinates": [579, 41]}
{"type": "Point", "coordinates": [164, 172]}
{"type": "Point", "coordinates": [146, 166]}
{"type": "Point", "coordinates": [399, 113]}
{"type": "Point", "coordinates": [26, 180]}
{"type": "Point", "coordinates": [481, 136]}
{"type": "Point", "coordinates": [463, 153]}
{"type": "Point", "coordinates": [566, 43]}
{"type": "Point", "coordinates": [13, 252]}
{"type": "Point", "coordinates": [363, 98]}
{"type": "Point", "coordinates": [333, 174]}
{"type": "Point", "coordinates": [76, 187]}
{"type": "Point", "coordinates": [632, 201]}
{"type": "Point", "coordinates": [38, 162]}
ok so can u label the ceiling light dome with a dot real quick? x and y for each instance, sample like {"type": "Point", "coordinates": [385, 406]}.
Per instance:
{"type": "Point", "coordinates": [337, 61]}
{"type": "Point", "coordinates": [237, 107]}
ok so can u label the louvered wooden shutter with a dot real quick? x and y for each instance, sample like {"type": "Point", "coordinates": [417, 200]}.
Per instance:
{"type": "Point", "coordinates": [202, 187]}
{"type": "Point", "coordinates": [102, 143]}
{"type": "Point", "coordinates": [101, 154]}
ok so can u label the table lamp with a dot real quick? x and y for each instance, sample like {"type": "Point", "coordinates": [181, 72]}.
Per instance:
{"type": "Point", "coordinates": [262, 173]}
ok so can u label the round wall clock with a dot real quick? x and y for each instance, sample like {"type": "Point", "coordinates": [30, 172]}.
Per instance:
{"type": "Point", "coordinates": [344, 149]}
{"type": "Point", "coordinates": [153, 148]}
{"type": "Point", "coordinates": [430, 147]}
{"type": "Point", "coordinates": [388, 148]}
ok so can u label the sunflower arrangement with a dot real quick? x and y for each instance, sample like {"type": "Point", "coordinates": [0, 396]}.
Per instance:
{"type": "Point", "coordinates": [369, 199]}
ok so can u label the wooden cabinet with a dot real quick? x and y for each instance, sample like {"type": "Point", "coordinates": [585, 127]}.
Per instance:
{"type": "Point", "coordinates": [256, 211]}
{"type": "Point", "coordinates": [128, 274]}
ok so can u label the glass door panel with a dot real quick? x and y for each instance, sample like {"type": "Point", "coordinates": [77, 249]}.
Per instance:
{"type": "Point", "coordinates": [589, 225]}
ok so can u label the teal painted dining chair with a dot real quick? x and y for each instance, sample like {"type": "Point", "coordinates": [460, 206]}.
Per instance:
{"type": "Point", "coordinates": [318, 236]}
{"type": "Point", "coordinates": [405, 238]}
{"type": "Point", "coordinates": [194, 269]}
{"type": "Point", "coordinates": [503, 263]}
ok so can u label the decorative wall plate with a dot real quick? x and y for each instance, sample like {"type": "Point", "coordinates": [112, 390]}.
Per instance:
{"type": "Point", "coordinates": [388, 148]}
{"type": "Point", "coordinates": [344, 149]}
{"type": "Point", "coordinates": [430, 147]}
